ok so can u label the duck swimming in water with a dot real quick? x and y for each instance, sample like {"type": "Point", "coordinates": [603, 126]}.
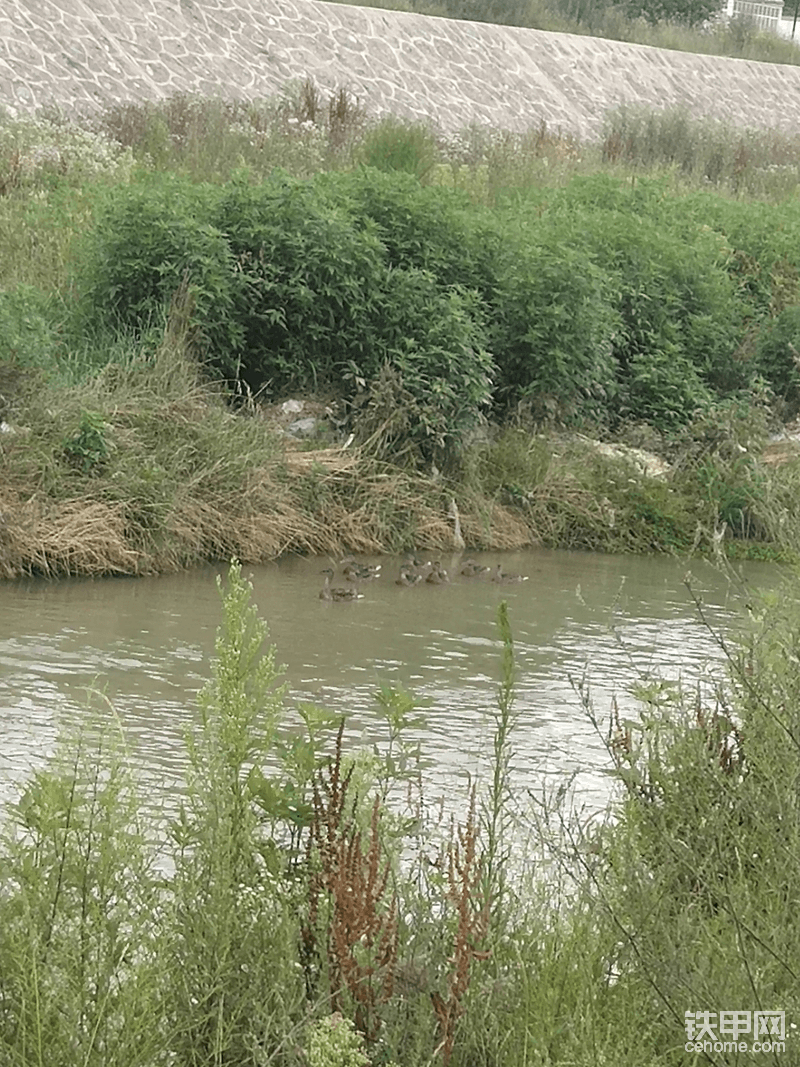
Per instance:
{"type": "Point", "coordinates": [507, 579]}
{"type": "Point", "coordinates": [354, 571]}
{"type": "Point", "coordinates": [408, 577]}
{"type": "Point", "coordinates": [438, 575]}
{"type": "Point", "coordinates": [416, 566]}
{"type": "Point", "coordinates": [471, 569]}
{"type": "Point", "coordinates": [338, 593]}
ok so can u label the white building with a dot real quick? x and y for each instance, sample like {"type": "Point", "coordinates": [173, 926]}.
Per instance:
{"type": "Point", "coordinates": [766, 14]}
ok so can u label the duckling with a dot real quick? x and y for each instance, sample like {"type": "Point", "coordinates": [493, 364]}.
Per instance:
{"type": "Point", "coordinates": [415, 566]}
{"type": "Point", "coordinates": [354, 571]}
{"type": "Point", "coordinates": [438, 575]}
{"type": "Point", "coordinates": [338, 593]}
{"type": "Point", "coordinates": [507, 579]}
{"type": "Point", "coordinates": [471, 569]}
{"type": "Point", "coordinates": [408, 577]}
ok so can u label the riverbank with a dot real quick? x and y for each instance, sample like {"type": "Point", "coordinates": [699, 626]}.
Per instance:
{"type": "Point", "coordinates": [147, 469]}
{"type": "Point", "coordinates": [480, 328]}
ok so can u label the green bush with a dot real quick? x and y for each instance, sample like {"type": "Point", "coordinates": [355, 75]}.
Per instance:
{"type": "Point", "coordinates": [436, 379]}
{"type": "Point", "coordinates": [552, 324]}
{"type": "Point", "coordinates": [28, 337]}
{"type": "Point", "coordinates": [305, 282]}
{"type": "Point", "coordinates": [150, 240]}
{"type": "Point", "coordinates": [288, 290]}
{"type": "Point", "coordinates": [605, 300]}
{"type": "Point", "coordinates": [759, 245]}
{"type": "Point", "coordinates": [778, 358]}
{"type": "Point", "coordinates": [680, 317]}
{"type": "Point", "coordinates": [424, 227]}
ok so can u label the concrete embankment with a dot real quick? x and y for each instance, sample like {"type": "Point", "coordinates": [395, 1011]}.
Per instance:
{"type": "Point", "coordinates": [84, 53]}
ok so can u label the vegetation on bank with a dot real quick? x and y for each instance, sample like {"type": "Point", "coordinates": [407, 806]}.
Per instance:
{"type": "Point", "coordinates": [307, 918]}
{"type": "Point", "coordinates": [477, 311]}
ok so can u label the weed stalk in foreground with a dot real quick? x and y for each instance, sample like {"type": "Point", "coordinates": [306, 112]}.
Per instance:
{"type": "Point", "coordinates": [464, 893]}
{"type": "Point", "coordinates": [362, 928]}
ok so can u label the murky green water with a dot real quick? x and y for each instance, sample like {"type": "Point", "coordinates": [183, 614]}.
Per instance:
{"type": "Point", "coordinates": [147, 643]}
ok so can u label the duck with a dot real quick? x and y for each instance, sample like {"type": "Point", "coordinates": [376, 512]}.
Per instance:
{"type": "Point", "coordinates": [408, 576]}
{"type": "Point", "coordinates": [471, 569]}
{"type": "Point", "coordinates": [415, 566]}
{"type": "Point", "coordinates": [507, 579]}
{"type": "Point", "coordinates": [438, 575]}
{"type": "Point", "coordinates": [354, 571]}
{"type": "Point", "coordinates": [338, 593]}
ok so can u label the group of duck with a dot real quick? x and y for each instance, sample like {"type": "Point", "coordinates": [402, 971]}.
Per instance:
{"type": "Point", "coordinates": [412, 572]}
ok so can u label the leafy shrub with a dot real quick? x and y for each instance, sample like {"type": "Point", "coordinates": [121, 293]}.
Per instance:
{"type": "Point", "coordinates": [305, 278]}
{"type": "Point", "coordinates": [87, 448]}
{"type": "Point", "coordinates": [288, 290]}
{"type": "Point", "coordinates": [552, 325]}
{"type": "Point", "coordinates": [151, 239]}
{"type": "Point", "coordinates": [760, 245]}
{"type": "Point", "coordinates": [778, 358]}
{"type": "Point", "coordinates": [680, 317]}
{"type": "Point", "coordinates": [423, 226]}
{"type": "Point", "coordinates": [27, 335]}
{"type": "Point", "coordinates": [437, 376]}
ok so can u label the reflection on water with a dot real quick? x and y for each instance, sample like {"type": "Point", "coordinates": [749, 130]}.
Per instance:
{"type": "Point", "coordinates": [147, 642]}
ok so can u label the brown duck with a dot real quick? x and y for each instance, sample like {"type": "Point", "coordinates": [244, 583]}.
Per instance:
{"type": "Point", "coordinates": [471, 569]}
{"type": "Point", "coordinates": [507, 579]}
{"type": "Point", "coordinates": [408, 576]}
{"type": "Point", "coordinates": [354, 571]}
{"type": "Point", "coordinates": [338, 593]}
{"type": "Point", "coordinates": [438, 575]}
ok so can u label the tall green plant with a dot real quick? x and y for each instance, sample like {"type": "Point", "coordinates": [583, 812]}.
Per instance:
{"type": "Point", "coordinates": [496, 815]}
{"type": "Point", "coordinates": [79, 944]}
{"type": "Point", "coordinates": [552, 323]}
{"type": "Point", "coordinates": [700, 862]}
{"type": "Point", "coordinates": [394, 145]}
{"type": "Point", "coordinates": [231, 975]}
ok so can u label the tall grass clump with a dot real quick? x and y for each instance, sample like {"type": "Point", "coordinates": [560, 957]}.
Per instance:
{"type": "Point", "coordinates": [394, 145]}
{"type": "Point", "coordinates": [303, 130]}
{"type": "Point", "coordinates": [744, 162]}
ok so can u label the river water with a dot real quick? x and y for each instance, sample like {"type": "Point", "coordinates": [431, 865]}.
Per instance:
{"type": "Point", "coordinates": [147, 643]}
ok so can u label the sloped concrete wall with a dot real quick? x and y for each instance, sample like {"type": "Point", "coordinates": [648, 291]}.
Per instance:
{"type": "Point", "coordinates": [81, 54]}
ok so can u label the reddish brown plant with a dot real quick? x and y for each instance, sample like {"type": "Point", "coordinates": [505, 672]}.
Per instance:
{"type": "Point", "coordinates": [360, 939]}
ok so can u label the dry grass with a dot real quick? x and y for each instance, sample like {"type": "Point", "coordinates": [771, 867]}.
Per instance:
{"type": "Point", "coordinates": [68, 537]}
{"type": "Point", "coordinates": [349, 507]}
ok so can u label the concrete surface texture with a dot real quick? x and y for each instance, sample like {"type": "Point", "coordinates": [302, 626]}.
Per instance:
{"type": "Point", "coordinates": [80, 54]}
